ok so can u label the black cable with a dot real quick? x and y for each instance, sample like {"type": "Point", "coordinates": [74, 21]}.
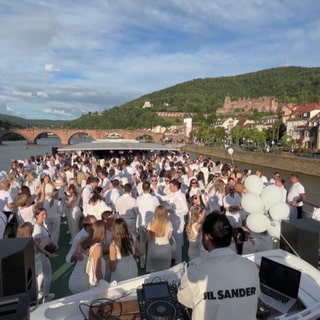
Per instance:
{"type": "Point", "coordinates": [104, 308]}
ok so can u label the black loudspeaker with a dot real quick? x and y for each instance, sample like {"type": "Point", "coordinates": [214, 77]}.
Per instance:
{"type": "Point", "coordinates": [301, 237]}
{"type": "Point", "coordinates": [17, 268]}
{"type": "Point", "coordinates": [15, 307]}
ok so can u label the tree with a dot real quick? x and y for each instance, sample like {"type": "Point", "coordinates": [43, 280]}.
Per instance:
{"type": "Point", "coordinates": [219, 135]}
{"type": "Point", "coordinates": [238, 133]}
{"type": "Point", "coordinates": [255, 136]}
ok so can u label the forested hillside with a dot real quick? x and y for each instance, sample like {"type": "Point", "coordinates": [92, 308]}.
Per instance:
{"type": "Point", "coordinates": [7, 121]}
{"type": "Point", "coordinates": [205, 96]}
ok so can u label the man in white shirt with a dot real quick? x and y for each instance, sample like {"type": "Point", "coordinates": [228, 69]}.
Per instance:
{"type": "Point", "coordinates": [86, 194]}
{"type": "Point", "coordinates": [223, 285]}
{"type": "Point", "coordinates": [112, 194]}
{"type": "Point", "coordinates": [146, 204]}
{"type": "Point", "coordinates": [6, 200]}
{"type": "Point", "coordinates": [126, 207]}
{"type": "Point", "coordinates": [295, 197]}
{"type": "Point", "coordinates": [178, 210]}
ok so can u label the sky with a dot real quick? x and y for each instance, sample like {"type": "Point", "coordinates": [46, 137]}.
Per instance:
{"type": "Point", "coordinates": [60, 59]}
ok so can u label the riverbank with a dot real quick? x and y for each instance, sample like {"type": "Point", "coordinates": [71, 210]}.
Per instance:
{"type": "Point", "coordinates": [278, 162]}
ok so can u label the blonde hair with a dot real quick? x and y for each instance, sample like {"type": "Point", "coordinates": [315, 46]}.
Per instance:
{"type": "Point", "coordinates": [21, 200]}
{"type": "Point", "coordinates": [159, 222]}
{"type": "Point", "coordinates": [80, 177]}
{"type": "Point", "coordinates": [195, 212]}
{"type": "Point", "coordinates": [25, 230]}
{"type": "Point", "coordinates": [218, 186]}
{"type": "Point", "coordinates": [97, 235]}
{"type": "Point", "coordinates": [29, 178]}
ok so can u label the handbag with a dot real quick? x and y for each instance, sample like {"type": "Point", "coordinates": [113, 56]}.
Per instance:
{"type": "Point", "coordinates": [51, 247]}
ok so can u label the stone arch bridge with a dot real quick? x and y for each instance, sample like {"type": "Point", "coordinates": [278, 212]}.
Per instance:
{"type": "Point", "coordinates": [32, 134]}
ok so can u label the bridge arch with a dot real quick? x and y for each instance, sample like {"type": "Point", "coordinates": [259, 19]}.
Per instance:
{"type": "Point", "coordinates": [65, 135]}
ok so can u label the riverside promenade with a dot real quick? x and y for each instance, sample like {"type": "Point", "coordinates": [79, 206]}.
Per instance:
{"type": "Point", "coordinates": [277, 162]}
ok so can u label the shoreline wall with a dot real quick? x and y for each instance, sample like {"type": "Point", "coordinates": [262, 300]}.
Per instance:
{"type": "Point", "coordinates": [295, 164]}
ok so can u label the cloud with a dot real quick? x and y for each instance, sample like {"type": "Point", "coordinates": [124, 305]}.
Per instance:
{"type": "Point", "coordinates": [42, 94]}
{"type": "Point", "coordinates": [51, 68]}
{"type": "Point", "coordinates": [66, 57]}
{"type": "Point", "coordinates": [21, 94]}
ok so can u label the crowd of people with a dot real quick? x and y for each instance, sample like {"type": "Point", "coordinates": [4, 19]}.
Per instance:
{"type": "Point", "coordinates": [128, 211]}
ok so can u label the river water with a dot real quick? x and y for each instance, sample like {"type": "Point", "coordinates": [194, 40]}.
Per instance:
{"type": "Point", "coordinates": [20, 150]}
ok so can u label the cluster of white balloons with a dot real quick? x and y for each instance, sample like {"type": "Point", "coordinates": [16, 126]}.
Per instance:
{"type": "Point", "coordinates": [265, 206]}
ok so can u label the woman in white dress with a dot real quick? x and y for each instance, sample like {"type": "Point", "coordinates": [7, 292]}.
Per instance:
{"type": "Point", "coordinates": [95, 243]}
{"type": "Point", "coordinates": [79, 279]}
{"type": "Point", "coordinates": [193, 229]}
{"type": "Point", "coordinates": [122, 251]}
{"type": "Point", "coordinates": [159, 233]}
{"type": "Point", "coordinates": [41, 238]}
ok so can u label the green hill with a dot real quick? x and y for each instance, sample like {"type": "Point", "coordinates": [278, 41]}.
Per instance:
{"type": "Point", "coordinates": [7, 121]}
{"type": "Point", "coordinates": [205, 96]}
{"type": "Point", "coordinates": [199, 96]}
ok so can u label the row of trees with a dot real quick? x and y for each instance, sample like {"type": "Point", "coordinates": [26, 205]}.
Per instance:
{"type": "Point", "coordinates": [242, 136]}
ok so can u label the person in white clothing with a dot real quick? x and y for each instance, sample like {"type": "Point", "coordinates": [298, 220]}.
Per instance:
{"type": "Point", "coordinates": [72, 255]}
{"type": "Point", "coordinates": [112, 194]}
{"type": "Point", "coordinates": [146, 204]}
{"type": "Point", "coordinates": [86, 194]}
{"type": "Point", "coordinates": [296, 196]}
{"type": "Point", "coordinates": [222, 285]}
{"type": "Point", "coordinates": [6, 200]}
{"type": "Point", "coordinates": [280, 184]}
{"type": "Point", "coordinates": [178, 210]}
{"type": "Point", "coordinates": [236, 215]}
{"type": "Point", "coordinates": [126, 207]}
{"type": "Point", "coordinates": [79, 280]}
{"type": "Point", "coordinates": [97, 204]}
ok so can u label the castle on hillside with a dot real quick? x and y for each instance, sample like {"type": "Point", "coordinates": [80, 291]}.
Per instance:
{"type": "Point", "coordinates": [244, 104]}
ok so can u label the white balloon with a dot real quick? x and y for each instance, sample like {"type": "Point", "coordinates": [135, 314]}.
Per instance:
{"type": "Point", "coordinates": [230, 151]}
{"type": "Point", "coordinates": [253, 184]}
{"type": "Point", "coordinates": [258, 222]}
{"type": "Point", "coordinates": [279, 211]}
{"type": "Point", "coordinates": [274, 229]}
{"type": "Point", "coordinates": [252, 203]}
{"type": "Point", "coordinates": [271, 195]}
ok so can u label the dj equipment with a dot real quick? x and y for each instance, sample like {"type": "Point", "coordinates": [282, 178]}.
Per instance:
{"type": "Point", "coordinates": [158, 301]}
{"type": "Point", "coordinates": [101, 309]}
